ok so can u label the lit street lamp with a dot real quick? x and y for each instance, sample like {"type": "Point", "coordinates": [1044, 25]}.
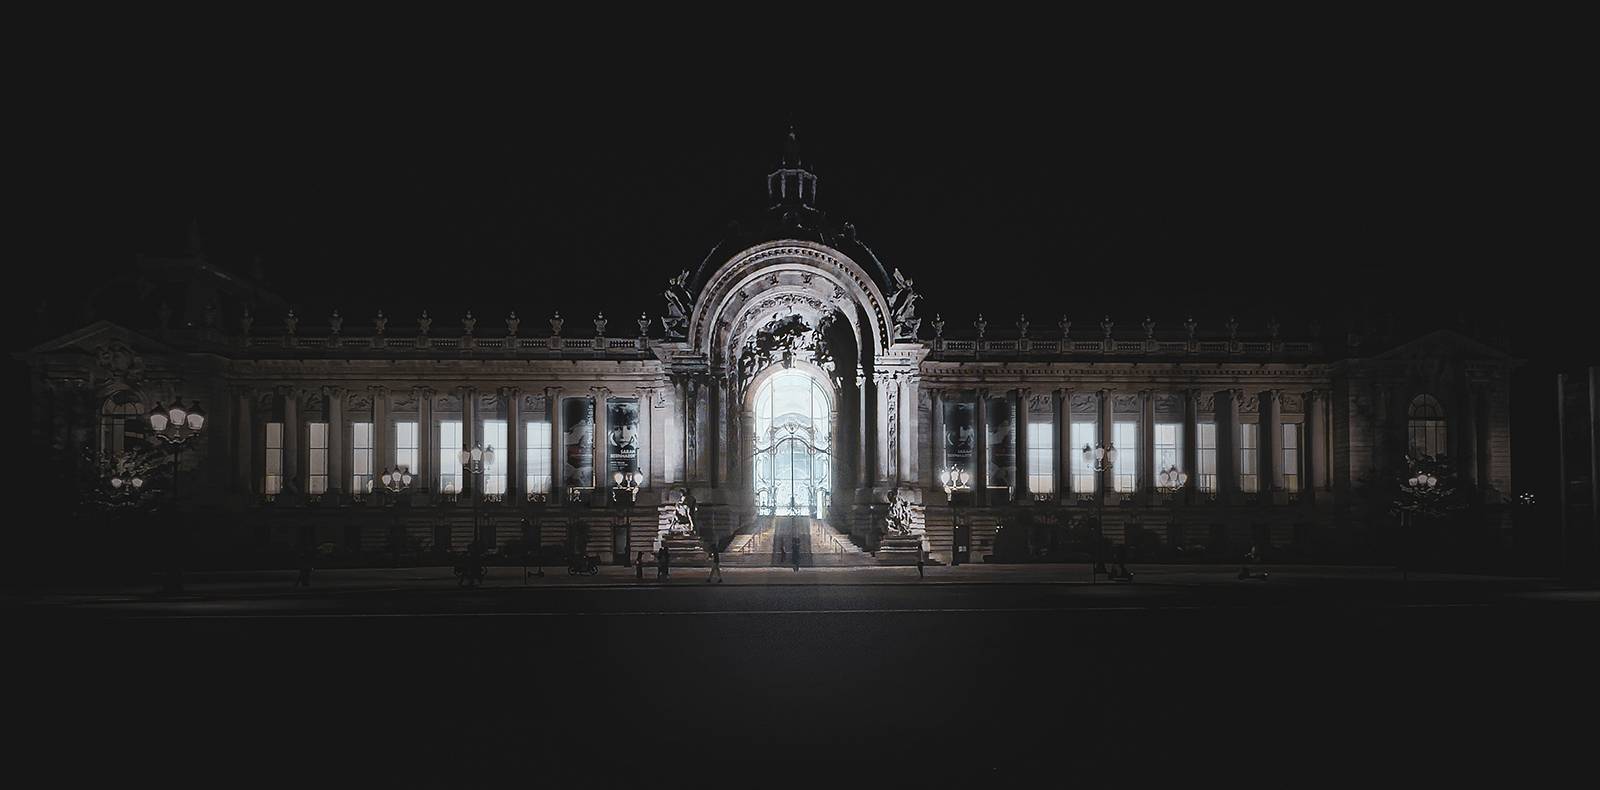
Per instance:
{"type": "Point", "coordinates": [957, 481]}
{"type": "Point", "coordinates": [1420, 485]}
{"type": "Point", "coordinates": [175, 426]}
{"type": "Point", "coordinates": [624, 492]}
{"type": "Point", "coordinates": [1171, 480]}
{"type": "Point", "coordinates": [1100, 458]}
{"type": "Point", "coordinates": [475, 461]}
{"type": "Point", "coordinates": [394, 481]}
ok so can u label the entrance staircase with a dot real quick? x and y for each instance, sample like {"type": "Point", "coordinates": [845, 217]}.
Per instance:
{"type": "Point", "coordinates": [772, 541]}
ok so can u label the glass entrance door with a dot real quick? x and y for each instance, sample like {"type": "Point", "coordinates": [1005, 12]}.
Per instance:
{"type": "Point", "coordinates": [793, 462]}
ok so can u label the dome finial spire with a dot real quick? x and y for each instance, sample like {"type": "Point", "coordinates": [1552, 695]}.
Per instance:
{"type": "Point", "coordinates": [791, 149]}
{"type": "Point", "coordinates": [791, 182]}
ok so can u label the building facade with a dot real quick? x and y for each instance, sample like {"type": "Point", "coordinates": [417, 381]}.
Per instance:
{"type": "Point", "coordinates": [791, 376]}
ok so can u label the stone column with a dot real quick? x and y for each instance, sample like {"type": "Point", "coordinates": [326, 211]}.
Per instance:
{"type": "Point", "coordinates": [1468, 448]}
{"type": "Point", "coordinates": [1103, 481]}
{"type": "Point", "coordinates": [1191, 443]}
{"type": "Point", "coordinates": [910, 430]}
{"type": "Point", "coordinates": [647, 460]}
{"type": "Point", "coordinates": [981, 457]}
{"type": "Point", "coordinates": [1022, 493]}
{"type": "Point", "coordinates": [888, 413]}
{"type": "Point", "coordinates": [515, 480]}
{"type": "Point", "coordinates": [245, 444]}
{"type": "Point", "coordinates": [422, 476]}
{"type": "Point", "coordinates": [1065, 451]}
{"type": "Point", "coordinates": [291, 439]}
{"type": "Point", "coordinates": [382, 433]}
{"type": "Point", "coordinates": [1227, 415]}
{"type": "Point", "coordinates": [1147, 445]}
{"type": "Point", "coordinates": [469, 423]}
{"type": "Point", "coordinates": [936, 463]}
{"type": "Point", "coordinates": [867, 433]}
{"type": "Point", "coordinates": [602, 475]}
{"type": "Point", "coordinates": [680, 389]}
{"type": "Point", "coordinates": [335, 400]}
{"type": "Point", "coordinates": [552, 405]}
{"type": "Point", "coordinates": [1270, 442]}
{"type": "Point", "coordinates": [1316, 442]}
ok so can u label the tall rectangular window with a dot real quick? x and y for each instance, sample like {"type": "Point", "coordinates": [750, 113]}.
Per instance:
{"type": "Point", "coordinates": [405, 446]}
{"type": "Point", "coordinates": [449, 462]}
{"type": "Point", "coordinates": [494, 475]}
{"type": "Point", "coordinates": [1291, 456]}
{"type": "Point", "coordinates": [274, 460]}
{"type": "Point", "coordinates": [360, 457]}
{"type": "Point", "coordinates": [1169, 447]}
{"type": "Point", "coordinates": [318, 446]}
{"type": "Point", "coordinates": [1206, 476]}
{"type": "Point", "coordinates": [1248, 465]}
{"type": "Point", "coordinates": [1125, 436]}
{"type": "Point", "coordinates": [538, 463]}
{"type": "Point", "coordinates": [1041, 457]}
{"type": "Point", "coordinates": [1083, 476]}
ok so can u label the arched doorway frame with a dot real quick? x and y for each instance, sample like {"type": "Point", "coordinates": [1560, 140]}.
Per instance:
{"type": "Point", "coordinates": [752, 442]}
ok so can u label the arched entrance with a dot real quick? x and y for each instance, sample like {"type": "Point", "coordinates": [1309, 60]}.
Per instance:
{"type": "Point", "coordinates": [792, 446]}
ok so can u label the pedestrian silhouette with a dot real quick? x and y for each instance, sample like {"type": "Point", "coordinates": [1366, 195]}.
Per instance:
{"type": "Point", "coordinates": [716, 567]}
{"type": "Point", "coordinates": [638, 566]}
{"type": "Point", "coordinates": [304, 578]}
{"type": "Point", "coordinates": [796, 553]}
{"type": "Point", "coordinates": [666, 561]}
{"type": "Point", "coordinates": [919, 562]}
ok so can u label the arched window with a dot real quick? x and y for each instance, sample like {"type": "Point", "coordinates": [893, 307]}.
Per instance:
{"type": "Point", "coordinates": [1425, 427]}
{"type": "Point", "coordinates": [122, 422]}
{"type": "Point", "coordinates": [793, 465]}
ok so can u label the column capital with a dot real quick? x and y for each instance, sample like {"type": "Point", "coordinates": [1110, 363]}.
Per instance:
{"type": "Point", "coordinates": [552, 392]}
{"type": "Point", "coordinates": [331, 391]}
{"type": "Point", "coordinates": [599, 392]}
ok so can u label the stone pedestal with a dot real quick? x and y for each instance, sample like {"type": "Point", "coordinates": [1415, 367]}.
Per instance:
{"type": "Point", "coordinates": [686, 550]}
{"type": "Point", "coordinates": [897, 549]}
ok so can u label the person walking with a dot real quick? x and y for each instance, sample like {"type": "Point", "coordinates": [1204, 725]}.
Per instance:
{"type": "Point", "coordinates": [716, 567]}
{"type": "Point", "coordinates": [638, 566]}
{"type": "Point", "coordinates": [919, 562]}
{"type": "Point", "coordinates": [795, 553]}
{"type": "Point", "coordinates": [666, 561]}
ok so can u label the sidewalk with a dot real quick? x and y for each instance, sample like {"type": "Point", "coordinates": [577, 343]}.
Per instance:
{"type": "Point", "coordinates": [251, 584]}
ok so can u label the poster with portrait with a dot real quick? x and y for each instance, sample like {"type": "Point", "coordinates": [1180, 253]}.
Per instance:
{"type": "Point", "coordinates": [577, 442]}
{"type": "Point", "coordinates": [622, 436]}
{"type": "Point", "coordinates": [1002, 441]}
{"type": "Point", "coordinates": [960, 439]}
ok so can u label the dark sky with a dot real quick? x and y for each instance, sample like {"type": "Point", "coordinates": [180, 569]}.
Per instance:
{"type": "Point", "coordinates": [1297, 192]}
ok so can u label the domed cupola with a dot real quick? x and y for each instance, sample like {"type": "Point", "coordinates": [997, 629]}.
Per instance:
{"type": "Point", "coordinates": [792, 183]}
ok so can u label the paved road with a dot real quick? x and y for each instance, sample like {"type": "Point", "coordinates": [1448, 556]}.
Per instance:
{"type": "Point", "coordinates": [1182, 672]}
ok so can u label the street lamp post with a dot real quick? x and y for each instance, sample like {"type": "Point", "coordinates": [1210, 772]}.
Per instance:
{"type": "Point", "coordinates": [1169, 482]}
{"type": "Point", "coordinates": [175, 426]}
{"type": "Point", "coordinates": [1420, 486]}
{"type": "Point", "coordinates": [624, 492]}
{"type": "Point", "coordinates": [1100, 458]}
{"type": "Point", "coordinates": [956, 481]}
{"type": "Point", "coordinates": [395, 481]}
{"type": "Point", "coordinates": [475, 461]}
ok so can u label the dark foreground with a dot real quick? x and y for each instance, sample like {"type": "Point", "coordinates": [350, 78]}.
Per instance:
{"type": "Point", "coordinates": [1231, 682]}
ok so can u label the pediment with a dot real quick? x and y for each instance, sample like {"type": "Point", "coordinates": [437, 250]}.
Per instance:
{"type": "Point", "coordinates": [1443, 344]}
{"type": "Point", "coordinates": [100, 335]}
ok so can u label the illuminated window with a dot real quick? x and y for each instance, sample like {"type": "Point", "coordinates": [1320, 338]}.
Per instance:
{"type": "Point", "coordinates": [405, 446]}
{"type": "Point", "coordinates": [1041, 457]}
{"type": "Point", "coordinates": [1247, 458]}
{"type": "Point", "coordinates": [122, 422]}
{"type": "Point", "coordinates": [538, 465]}
{"type": "Point", "coordinates": [449, 461]}
{"type": "Point", "coordinates": [1426, 427]}
{"type": "Point", "coordinates": [494, 475]}
{"type": "Point", "coordinates": [1169, 446]}
{"type": "Point", "coordinates": [1207, 477]}
{"type": "Point", "coordinates": [1291, 456]}
{"type": "Point", "coordinates": [1125, 436]}
{"type": "Point", "coordinates": [318, 447]}
{"type": "Point", "coordinates": [360, 457]}
{"type": "Point", "coordinates": [274, 458]}
{"type": "Point", "coordinates": [1083, 476]}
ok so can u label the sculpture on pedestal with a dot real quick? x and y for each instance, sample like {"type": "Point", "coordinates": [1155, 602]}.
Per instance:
{"type": "Point", "coordinates": [903, 308]}
{"type": "Point", "coordinates": [676, 321]}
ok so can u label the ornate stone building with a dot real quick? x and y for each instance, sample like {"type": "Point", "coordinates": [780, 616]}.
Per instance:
{"type": "Point", "coordinates": [791, 377]}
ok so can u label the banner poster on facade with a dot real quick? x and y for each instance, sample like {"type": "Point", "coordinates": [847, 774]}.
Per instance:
{"type": "Point", "coordinates": [1002, 443]}
{"type": "Point", "coordinates": [959, 437]}
{"type": "Point", "coordinates": [622, 440]}
{"type": "Point", "coordinates": [577, 439]}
